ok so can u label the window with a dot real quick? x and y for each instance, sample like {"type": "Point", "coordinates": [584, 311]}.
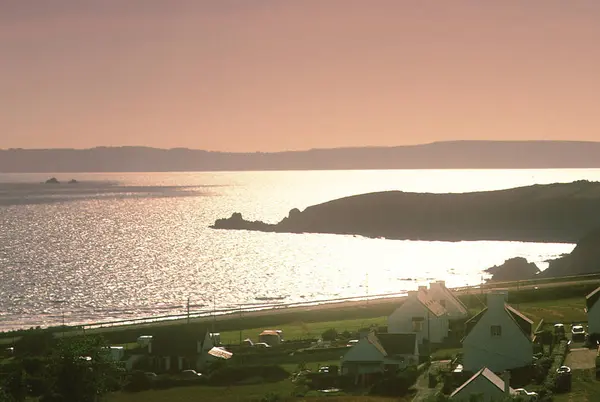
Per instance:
{"type": "Point", "coordinates": [417, 324]}
{"type": "Point", "coordinates": [496, 330]}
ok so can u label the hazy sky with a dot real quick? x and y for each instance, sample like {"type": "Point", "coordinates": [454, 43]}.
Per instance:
{"type": "Point", "coordinates": [247, 75]}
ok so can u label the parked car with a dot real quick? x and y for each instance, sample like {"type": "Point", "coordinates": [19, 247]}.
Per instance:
{"type": "Point", "coordinates": [262, 345]}
{"type": "Point", "coordinates": [563, 370]}
{"type": "Point", "coordinates": [351, 343]}
{"type": "Point", "coordinates": [190, 375]}
{"type": "Point", "coordinates": [526, 395]}
{"type": "Point", "coordinates": [151, 376]}
{"type": "Point", "coordinates": [577, 333]}
{"type": "Point", "coordinates": [559, 331]}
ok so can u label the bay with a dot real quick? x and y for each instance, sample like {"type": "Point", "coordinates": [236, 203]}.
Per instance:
{"type": "Point", "coordinates": [123, 245]}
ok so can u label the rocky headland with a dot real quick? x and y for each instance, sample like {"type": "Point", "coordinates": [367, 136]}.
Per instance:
{"type": "Point", "coordinates": [514, 269]}
{"type": "Point", "coordinates": [561, 213]}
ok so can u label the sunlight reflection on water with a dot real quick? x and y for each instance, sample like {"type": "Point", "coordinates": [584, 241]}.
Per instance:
{"type": "Point", "coordinates": [126, 245]}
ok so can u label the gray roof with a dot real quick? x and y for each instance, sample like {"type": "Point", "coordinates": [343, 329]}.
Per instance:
{"type": "Point", "coordinates": [488, 375]}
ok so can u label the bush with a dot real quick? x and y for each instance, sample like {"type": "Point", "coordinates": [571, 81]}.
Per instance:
{"type": "Point", "coordinates": [330, 335]}
{"type": "Point", "coordinates": [558, 357]}
{"type": "Point", "coordinates": [396, 385]}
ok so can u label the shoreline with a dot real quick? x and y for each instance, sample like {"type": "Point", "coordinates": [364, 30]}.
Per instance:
{"type": "Point", "coordinates": [360, 306]}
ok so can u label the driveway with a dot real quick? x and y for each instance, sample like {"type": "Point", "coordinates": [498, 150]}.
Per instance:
{"type": "Point", "coordinates": [581, 359]}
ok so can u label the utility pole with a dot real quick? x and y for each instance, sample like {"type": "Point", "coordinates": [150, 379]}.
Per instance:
{"type": "Point", "coordinates": [214, 313]}
{"type": "Point", "coordinates": [240, 324]}
{"type": "Point", "coordinates": [188, 310]}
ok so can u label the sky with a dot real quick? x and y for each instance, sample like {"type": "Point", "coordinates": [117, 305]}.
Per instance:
{"type": "Point", "coordinates": [272, 75]}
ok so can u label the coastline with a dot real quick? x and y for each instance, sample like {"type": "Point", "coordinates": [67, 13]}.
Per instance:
{"type": "Point", "coordinates": [311, 311]}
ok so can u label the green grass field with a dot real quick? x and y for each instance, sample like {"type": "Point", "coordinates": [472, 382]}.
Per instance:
{"type": "Point", "coordinates": [304, 330]}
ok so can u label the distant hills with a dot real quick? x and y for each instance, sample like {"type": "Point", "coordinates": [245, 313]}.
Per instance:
{"type": "Point", "coordinates": [438, 155]}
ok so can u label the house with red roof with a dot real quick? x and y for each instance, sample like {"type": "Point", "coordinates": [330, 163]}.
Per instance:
{"type": "Point", "coordinates": [422, 315]}
{"type": "Point", "coordinates": [499, 337]}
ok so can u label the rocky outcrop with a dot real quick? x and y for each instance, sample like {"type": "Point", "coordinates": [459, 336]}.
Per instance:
{"type": "Point", "coordinates": [52, 180]}
{"type": "Point", "coordinates": [514, 269]}
{"type": "Point", "coordinates": [584, 259]}
{"type": "Point", "coordinates": [562, 212]}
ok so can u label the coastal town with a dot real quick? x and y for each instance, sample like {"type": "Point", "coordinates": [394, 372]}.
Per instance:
{"type": "Point", "coordinates": [498, 343]}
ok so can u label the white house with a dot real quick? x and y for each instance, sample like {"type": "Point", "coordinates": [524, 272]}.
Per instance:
{"type": "Point", "coordinates": [441, 294]}
{"type": "Point", "coordinates": [487, 385]}
{"type": "Point", "coordinates": [375, 353]}
{"type": "Point", "coordinates": [592, 307]}
{"type": "Point", "coordinates": [499, 337]}
{"type": "Point", "coordinates": [422, 315]}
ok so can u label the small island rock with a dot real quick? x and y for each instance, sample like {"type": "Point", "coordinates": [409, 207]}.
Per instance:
{"type": "Point", "coordinates": [514, 269]}
{"type": "Point", "coordinates": [52, 180]}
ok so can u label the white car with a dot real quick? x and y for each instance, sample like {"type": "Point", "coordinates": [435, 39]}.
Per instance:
{"type": "Point", "coordinates": [529, 396]}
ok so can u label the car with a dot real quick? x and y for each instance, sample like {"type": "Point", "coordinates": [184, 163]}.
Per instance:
{"type": "Point", "coordinates": [190, 375]}
{"type": "Point", "coordinates": [563, 370]}
{"type": "Point", "coordinates": [578, 333]}
{"type": "Point", "coordinates": [324, 369]}
{"type": "Point", "coordinates": [262, 345]}
{"type": "Point", "coordinates": [559, 331]}
{"type": "Point", "coordinates": [150, 375]}
{"type": "Point", "coordinates": [526, 395]}
{"type": "Point", "coordinates": [351, 343]}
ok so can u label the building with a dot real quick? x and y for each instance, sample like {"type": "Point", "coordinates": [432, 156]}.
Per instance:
{"type": "Point", "coordinates": [444, 296]}
{"type": "Point", "coordinates": [487, 385]}
{"type": "Point", "coordinates": [592, 308]}
{"type": "Point", "coordinates": [376, 353]}
{"type": "Point", "coordinates": [499, 337]}
{"type": "Point", "coordinates": [422, 315]}
{"type": "Point", "coordinates": [270, 337]}
{"type": "Point", "coordinates": [182, 350]}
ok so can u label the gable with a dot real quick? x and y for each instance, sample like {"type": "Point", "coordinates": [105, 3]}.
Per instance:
{"type": "Point", "coordinates": [398, 344]}
{"type": "Point", "coordinates": [592, 298]}
{"type": "Point", "coordinates": [365, 351]}
{"type": "Point", "coordinates": [482, 381]}
{"type": "Point", "coordinates": [444, 293]}
{"type": "Point", "coordinates": [523, 322]}
{"type": "Point", "coordinates": [472, 322]}
{"type": "Point", "coordinates": [411, 307]}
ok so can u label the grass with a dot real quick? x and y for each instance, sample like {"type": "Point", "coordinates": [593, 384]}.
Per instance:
{"type": "Point", "coordinates": [555, 311]}
{"type": "Point", "coordinates": [207, 393]}
{"type": "Point", "coordinates": [303, 330]}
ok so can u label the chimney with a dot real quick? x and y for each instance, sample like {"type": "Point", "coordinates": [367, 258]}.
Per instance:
{"type": "Point", "coordinates": [497, 299]}
{"type": "Point", "coordinates": [441, 284]}
{"type": "Point", "coordinates": [412, 293]}
{"type": "Point", "coordinates": [506, 379]}
{"type": "Point", "coordinates": [424, 288]}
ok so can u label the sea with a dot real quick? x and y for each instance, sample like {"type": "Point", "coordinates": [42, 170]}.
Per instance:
{"type": "Point", "coordinates": [117, 246]}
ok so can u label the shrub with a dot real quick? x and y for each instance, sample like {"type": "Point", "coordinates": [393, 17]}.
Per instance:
{"type": "Point", "coordinates": [396, 385]}
{"type": "Point", "coordinates": [329, 335]}
{"type": "Point", "coordinates": [557, 357]}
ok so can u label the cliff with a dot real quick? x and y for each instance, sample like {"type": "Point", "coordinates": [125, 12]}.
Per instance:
{"type": "Point", "coordinates": [584, 259]}
{"type": "Point", "coordinates": [563, 212]}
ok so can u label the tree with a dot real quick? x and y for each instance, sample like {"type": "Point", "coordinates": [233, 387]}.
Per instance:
{"type": "Point", "coordinates": [79, 370]}
{"type": "Point", "coordinates": [329, 335]}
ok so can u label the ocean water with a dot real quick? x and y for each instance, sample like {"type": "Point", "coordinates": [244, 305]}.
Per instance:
{"type": "Point", "coordinates": [118, 246]}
